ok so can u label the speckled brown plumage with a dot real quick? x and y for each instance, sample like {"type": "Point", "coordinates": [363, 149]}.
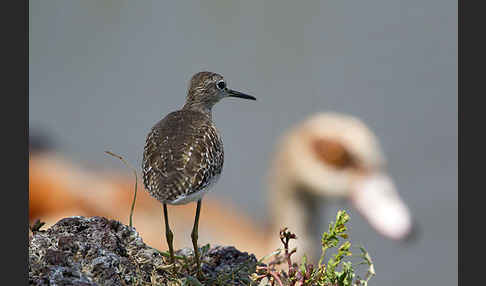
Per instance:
{"type": "Point", "coordinates": [183, 155]}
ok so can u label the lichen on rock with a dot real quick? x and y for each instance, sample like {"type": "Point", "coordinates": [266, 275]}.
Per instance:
{"type": "Point", "coordinates": [99, 251]}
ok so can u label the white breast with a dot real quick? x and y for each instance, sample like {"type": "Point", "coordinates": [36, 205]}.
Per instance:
{"type": "Point", "coordinates": [184, 199]}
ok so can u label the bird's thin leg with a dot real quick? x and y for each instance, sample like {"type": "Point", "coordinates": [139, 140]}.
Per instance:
{"type": "Point", "coordinates": [168, 235]}
{"type": "Point", "coordinates": [194, 236]}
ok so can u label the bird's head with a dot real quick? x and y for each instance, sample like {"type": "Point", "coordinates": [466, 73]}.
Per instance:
{"type": "Point", "coordinates": [207, 88]}
{"type": "Point", "coordinates": [336, 155]}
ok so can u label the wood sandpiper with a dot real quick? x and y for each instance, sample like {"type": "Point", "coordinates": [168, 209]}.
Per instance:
{"type": "Point", "coordinates": [183, 155]}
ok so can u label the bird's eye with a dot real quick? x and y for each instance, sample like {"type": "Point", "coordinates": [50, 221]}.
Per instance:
{"type": "Point", "coordinates": [221, 84]}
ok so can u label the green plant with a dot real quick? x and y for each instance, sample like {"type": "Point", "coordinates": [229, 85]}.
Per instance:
{"type": "Point", "coordinates": [136, 182]}
{"type": "Point", "coordinates": [336, 272]}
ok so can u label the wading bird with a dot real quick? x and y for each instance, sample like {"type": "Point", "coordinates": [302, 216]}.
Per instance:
{"type": "Point", "coordinates": [183, 155]}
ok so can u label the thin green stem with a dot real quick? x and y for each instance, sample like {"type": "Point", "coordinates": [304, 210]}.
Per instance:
{"type": "Point", "coordinates": [136, 183]}
{"type": "Point", "coordinates": [323, 253]}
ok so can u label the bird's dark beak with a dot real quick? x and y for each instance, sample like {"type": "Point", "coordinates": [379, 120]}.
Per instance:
{"type": "Point", "coordinates": [234, 93]}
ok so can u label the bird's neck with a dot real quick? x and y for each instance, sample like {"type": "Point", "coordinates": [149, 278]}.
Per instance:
{"type": "Point", "coordinates": [199, 107]}
{"type": "Point", "coordinates": [296, 209]}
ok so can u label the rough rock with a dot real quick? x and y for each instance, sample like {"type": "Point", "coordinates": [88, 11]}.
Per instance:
{"type": "Point", "coordinates": [99, 251]}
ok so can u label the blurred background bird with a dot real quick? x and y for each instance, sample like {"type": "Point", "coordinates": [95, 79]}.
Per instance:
{"type": "Point", "coordinates": [328, 156]}
{"type": "Point", "coordinates": [332, 156]}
